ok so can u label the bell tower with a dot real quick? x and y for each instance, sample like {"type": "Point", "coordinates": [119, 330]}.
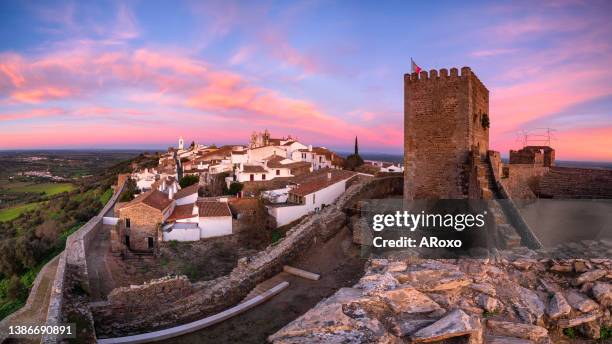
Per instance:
{"type": "Point", "coordinates": [181, 144]}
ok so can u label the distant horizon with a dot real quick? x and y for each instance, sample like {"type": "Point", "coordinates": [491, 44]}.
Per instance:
{"type": "Point", "coordinates": [339, 151]}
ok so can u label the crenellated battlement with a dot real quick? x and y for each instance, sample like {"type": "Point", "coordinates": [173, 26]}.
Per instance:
{"type": "Point", "coordinates": [443, 74]}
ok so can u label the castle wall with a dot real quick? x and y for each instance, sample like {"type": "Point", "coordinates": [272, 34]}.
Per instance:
{"type": "Point", "coordinates": [565, 182]}
{"type": "Point", "coordinates": [442, 122]}
{"type": "Point", "coordinates": [523, 179]}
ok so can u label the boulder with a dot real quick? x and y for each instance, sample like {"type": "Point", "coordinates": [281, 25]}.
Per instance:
{"type": "Point", "coordinates": [532, 304]}
{"type": "Point", "coordinates": [506, 340]}
{"type": "Point", "coordinates": [488, 303]}
{"type": "Point", "coordinates": [524, 331]}
{"type": "Point", "coordinates": [572, 322]}
{"type": "Point", "coordinates": [603, 293]}
{"type": "Point", "coordinates": [409, 300]}
{"type": "Point", "coordinates": [590, 276]}
{"type": "Point", "coordinates": [581, 302]}
{"type": "Point", "coordinates": [558, 306]}
{"type": "Point", "coordinates": [485, 288]}
{"type": "Point", "coordinates": [455, 324]}
{"type": "Point", "coordinates": [372, 284]}
{"type": "Point", "coordinates": [405, 327]}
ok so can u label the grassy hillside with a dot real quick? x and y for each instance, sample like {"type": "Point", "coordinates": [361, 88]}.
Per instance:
{"type": "Point", "coordinates": [48, 189]}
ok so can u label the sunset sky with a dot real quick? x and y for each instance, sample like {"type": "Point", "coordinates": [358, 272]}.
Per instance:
{"type": "Point", "coordinates": [139, 74]}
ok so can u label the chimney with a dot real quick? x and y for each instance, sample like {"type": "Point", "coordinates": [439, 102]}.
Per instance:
{"type": "Point", "coordinates": [329, 175]}
{"type": "Point", "coordinates": [310, 148]}
{"type": "Point", "coordinates": [171, 193]}
{"type": "Point", "coordinates": [196, 209]}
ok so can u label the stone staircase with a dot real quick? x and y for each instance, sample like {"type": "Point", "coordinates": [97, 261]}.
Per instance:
{"type": "Point", "coordinates": [507, 234]}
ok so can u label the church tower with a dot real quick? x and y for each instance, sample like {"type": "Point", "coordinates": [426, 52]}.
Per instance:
{"type": "Point", "coordinates": [181, 143]}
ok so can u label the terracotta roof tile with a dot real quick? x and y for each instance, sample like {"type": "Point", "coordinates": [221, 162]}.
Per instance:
{"type": "Point", "coordinates": [182, 212]}
{"type": "Point", "coordinates": [184, 192]}
{"type": "Point", "coordinates": [253, 169]}
{"type": "Point", "coordinates": [213, 209]}
{"type": "Point", "coordinates": [320, 180]}
{"type": "Point", "coordinates": [153, 198]}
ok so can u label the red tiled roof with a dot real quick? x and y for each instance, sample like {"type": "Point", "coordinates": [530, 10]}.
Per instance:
{"type": "Point", "coordinates": [253, 169]}
{"type": "Point", "coordinates": [190, 190]}
{"type": "Point", "coordinates": [239, 152]}
{"type": "Point", "coordinates": [273, 161]}
{"type": "Point", "coordinates": [181, 212]}
{"type": "Point", "coordinates": [153, 198]}
{"type": "Point", "coordinates": [320, 180]}
{"type": "Point", "coordinates": [213, 209]}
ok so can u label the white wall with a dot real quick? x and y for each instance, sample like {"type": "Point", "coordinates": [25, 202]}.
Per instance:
{"type": "Point", "coordinates": [258, 154]}
{"type": "Point", "coordinates": [182, 234]}
{"type": "Point", "coordinates": [286, 215]}
{"type": "Point", "coordinates": [327, 196]}
{"type": "Point", "coordinates": [187, 199]}
{"type": "Point", "coordinates": [215, 226]}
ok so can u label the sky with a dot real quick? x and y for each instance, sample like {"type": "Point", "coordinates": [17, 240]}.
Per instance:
{"type": "Point", "coordinates": [139, 74]}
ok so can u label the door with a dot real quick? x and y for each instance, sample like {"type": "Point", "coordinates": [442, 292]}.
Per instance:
{"type": "Point", "coordinates": [127, 241]}
{"type": "Point", "coordinates": [150, 243]}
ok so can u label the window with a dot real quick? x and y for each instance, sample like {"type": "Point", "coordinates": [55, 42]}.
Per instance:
{"type": "Point", "coordinates": [150, 242]}
{"type": "Point", "coordinates": [127, 222]}
{"type": "Point", "coordinates": [263, 177]}
{"type": "Point", "coordinates": [320, 159]}
{"type": "Point", "coordinates": [252, 177]}
{"type": "Point", "coordinates": [314, 198]}
{"type": "Point", "coordinates": [303, 155]}
{"type": "Point", "coordinates": [278, 172]}
{"type": "Point", "coordinates": [127, 241]}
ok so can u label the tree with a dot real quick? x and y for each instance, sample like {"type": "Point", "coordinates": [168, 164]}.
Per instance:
{"type": "Point", "coordinates": [129, 191]}
{"type": "Point", "coordinates": [188, 180]}
{"type": "Point", "coordinates": [15, 289]}
{"type": "Point", "coordinates": [234, 188]}
{"type": "Point", "coordinates": [354, 160]}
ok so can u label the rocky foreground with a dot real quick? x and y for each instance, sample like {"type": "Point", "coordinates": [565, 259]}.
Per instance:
{"type": "Point", "coordinates": [514, 298]}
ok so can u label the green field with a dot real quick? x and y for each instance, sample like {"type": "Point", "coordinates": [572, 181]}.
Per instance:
{"type": "Point", "coordinates": [49, 189]}
{"type": "Point", "coordinates": [8, 214]}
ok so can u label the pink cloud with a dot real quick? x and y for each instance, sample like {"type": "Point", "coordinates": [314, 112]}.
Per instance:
{"type": "Point", "coordinates": [35, 113]}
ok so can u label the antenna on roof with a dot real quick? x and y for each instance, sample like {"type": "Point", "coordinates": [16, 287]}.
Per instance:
{"type": "Point", "coordinates": [536, 136]}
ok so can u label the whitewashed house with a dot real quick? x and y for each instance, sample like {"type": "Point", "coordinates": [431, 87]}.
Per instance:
{"type": "Point", "coordinates": [195, 221]}
{"type": "Point", "coordinates": [188, 195]}
{"type": "Point", "coordinates": [320, 189]}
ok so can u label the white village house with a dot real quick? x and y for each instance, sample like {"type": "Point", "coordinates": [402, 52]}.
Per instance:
{"type": "Point", "coordinates": [316, 191]}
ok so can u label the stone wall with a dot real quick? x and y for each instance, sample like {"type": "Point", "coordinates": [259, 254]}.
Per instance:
{"type": "Point", "coordinates": [523, 179]}
{"type": "Point", "coordinates": [442, 122]}
{"type": "Point", "coordinates": [564, 182]}
{"type": "Point", "coordinates": [74, 258]}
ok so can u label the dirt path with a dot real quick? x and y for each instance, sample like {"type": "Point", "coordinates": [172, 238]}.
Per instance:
{"type": "Point", "coordinates": [100, 278]}
{"type": "Point", "coordinates": [339, 264]}
{"type": "Point", "coordinates": [37, 314]}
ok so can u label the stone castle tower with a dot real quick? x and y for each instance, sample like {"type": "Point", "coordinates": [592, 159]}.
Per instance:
{"type": "Point", "coordinates": [445, 118]}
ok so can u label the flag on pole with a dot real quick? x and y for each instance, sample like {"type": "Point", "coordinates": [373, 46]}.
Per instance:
{"type": "Point", "coordinates": [415, 67]}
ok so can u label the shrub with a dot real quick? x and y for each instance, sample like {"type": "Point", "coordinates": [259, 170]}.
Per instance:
{"type": "Point", "coordinates": [234, 188]}
{"type": "Point", "coordinates": [15, 290]}
{"type": "Point", "coordinates": [188, 180]}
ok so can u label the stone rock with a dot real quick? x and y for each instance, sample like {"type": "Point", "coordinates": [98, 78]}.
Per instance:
{"type": "Point", "coordinates": [580, 266]}
{"type": "Point", "coordinates": [408, 300]}
{"type": "Point", "coordinates": [524, 264]}
{"type": "Point", "coordinates": [378, 263]}
{"type": "Point", "coordinates": [405, 327]}
{"type": "Point", "coordinates": [603, 293]}
{"type": "Point", "coordinates": [372, 284]}
{"type": "Point", "coordinates": [524, 331]}
{"type": "Point", "coordinates": [590, 276]}
{"type": "Point", "coordinates": [572, 322]}
{"type": "Point", "coordinates": [590, 330]}
{"type": "Point", "coordinates": [558, 306]}
{"type": "Point", "coordinates": [488, 303]}
{"type": "Point", "coordinates": [454, 324]}
{"type": "Point", "coordinates": [397, 267]}
{"type": "Point", "coordinates": [435, 280]}
{"type": "Point", "coordinates": [532, 304]}
{"type": "Point", "coordinates": [326, 322]}
{"type": "Point", "coordinates": [561, 268]}
{"type": "Point", "coordinates": [485, 288]}
{"type": "Point", "coordinates": [507, 340]}
{"type": "Point", "coordinates": [581, 302]}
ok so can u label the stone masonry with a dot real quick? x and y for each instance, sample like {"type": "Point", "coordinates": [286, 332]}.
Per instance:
{"type": "Point", "coordinates": [445, 118]}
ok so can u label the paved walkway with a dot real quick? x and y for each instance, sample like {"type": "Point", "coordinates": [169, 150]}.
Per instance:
{"type": "Point", "coordinates": [100, 278]}
{"type": "Point", "coordinates": [37, 313]}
